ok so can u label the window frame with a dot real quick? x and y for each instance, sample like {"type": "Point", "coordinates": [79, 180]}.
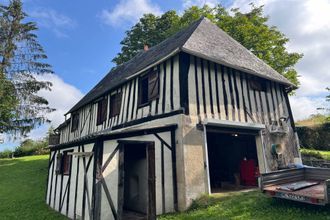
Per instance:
{"type": "Point", "coordinates": [74, 121]}
{"type": "Point", "coordinates": [141, 87]}
{"type": "Point", "coordinates": [66, 160]}
{"type": "Point", "coordinates": [114, 99]}
{"type": "Point", "coordinates": [102, 109]}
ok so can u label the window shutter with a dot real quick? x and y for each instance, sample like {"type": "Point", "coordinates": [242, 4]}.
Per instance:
{"type": "Point", "coordinates": [118, 103]}
{"type": "Point", "coordinates": [104, 109]}
{"type": "Point", "coordinates": [115, 104]}
{"type": "Point", "coordinates": [58, 163]}
{"type": "Point", "coordinates": [153, 85]}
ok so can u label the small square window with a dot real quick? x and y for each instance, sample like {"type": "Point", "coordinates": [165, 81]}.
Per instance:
{"type": "Point", "coordinates": [258, 84]}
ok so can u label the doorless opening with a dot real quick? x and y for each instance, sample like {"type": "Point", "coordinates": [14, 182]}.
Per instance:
{"type": "Point", "coordinates": [137, 180]}
{"type": "Point", "coordinates": [233, 161]}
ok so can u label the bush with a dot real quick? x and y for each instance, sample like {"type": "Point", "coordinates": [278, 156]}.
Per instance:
{"type": "Point", "coordinates": [31, 147]}
{"type": "Point", "coordinates": [6, 153]}
{"type": "Point", "coordinates": [315, 137]}
{"type": "Point", "coordinates": [313, 154]}
{"type": "Point", "coordinates": [27, 148]}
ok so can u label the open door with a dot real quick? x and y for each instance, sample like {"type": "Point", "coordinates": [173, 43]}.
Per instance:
{"type": "Point", "coordinates": [136, 195]}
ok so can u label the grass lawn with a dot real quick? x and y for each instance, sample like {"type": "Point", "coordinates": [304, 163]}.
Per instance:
{"type": "Point", "coordinates": [22, 189]}
{"type": "Point", "coordinates": [249, 205]}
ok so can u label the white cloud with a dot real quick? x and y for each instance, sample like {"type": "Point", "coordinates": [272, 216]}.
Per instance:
{"type": "Point", "coordinates": [303, 107]}
{"type": "Point", "coordinates": [128, 11]}
{"type": "Point", "coordinates": [62, 97]}
{"type": "Point", "coordinates": [307, 25]}
{"type": "Point", "coordinates": [200, 3]}
{"type": "Point", "coordinates": [56, 22]}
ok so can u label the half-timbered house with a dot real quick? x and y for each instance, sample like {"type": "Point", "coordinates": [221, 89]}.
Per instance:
{"type": "Point", "coordinates": [171, 124]}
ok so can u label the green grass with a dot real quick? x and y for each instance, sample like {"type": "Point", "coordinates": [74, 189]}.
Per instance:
{"type": "Point", "coordinates": [22, 192]}
{"type": "Point", "coordinates": [316, 153]}
{"type": "Point", "coordinates": [249, 205]}
{"type": "Point", "coordinates": [22, 189]}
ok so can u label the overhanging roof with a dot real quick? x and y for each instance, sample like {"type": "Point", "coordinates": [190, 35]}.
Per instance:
{"type": "Point", "coordinates": [203, 39]}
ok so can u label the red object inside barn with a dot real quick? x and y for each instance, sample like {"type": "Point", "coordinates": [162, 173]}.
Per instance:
{"type": "Point", "coordinates": [248, 172]}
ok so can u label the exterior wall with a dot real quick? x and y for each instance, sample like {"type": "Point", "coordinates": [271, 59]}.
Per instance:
{"type": "Point", "coordinates": [220, 92]}
{"type": "Point", "coordinates": [213, 91]}
{"type": "Point", "coordinates": [164, 198]}
{"type": "Point", "coordinates": [65, 193]}
{"type": "Point", "coordinates": [168, 101]}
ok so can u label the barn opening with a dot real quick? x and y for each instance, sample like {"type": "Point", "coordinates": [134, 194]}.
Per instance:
{"type": "Point", "coordinates": [135, 179]}
{"type": "Point", "coordinates": [233, 161]}
{"type": "Point", "coordinates": [139, 181]}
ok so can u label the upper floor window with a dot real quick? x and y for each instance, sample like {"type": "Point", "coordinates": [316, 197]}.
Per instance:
{"type": "Point", "coordinates": [101, 111]}
{"type": "Point", "coordinates": [148, 88]}
{"type": "Point", "coordinates": [258, 84]}
{"type": "Point", "coordinates": [74, 121]}
{"type": "Point", "coordinates": [115, 104]}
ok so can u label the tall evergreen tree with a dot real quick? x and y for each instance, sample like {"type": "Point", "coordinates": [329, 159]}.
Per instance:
{"type": "Point", "coordinates": [21, 59]}
{"type": "Point", "coordinates": [250, 29]}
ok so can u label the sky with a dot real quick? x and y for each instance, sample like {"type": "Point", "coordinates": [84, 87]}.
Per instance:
{"type": "Point", "coordinates": [81, 38]}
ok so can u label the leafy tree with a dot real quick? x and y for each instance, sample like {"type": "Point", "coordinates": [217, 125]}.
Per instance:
{"type": "Point", "coordinates": [250, 29]}
{"type": "Point", "coordinates": [21, 59]}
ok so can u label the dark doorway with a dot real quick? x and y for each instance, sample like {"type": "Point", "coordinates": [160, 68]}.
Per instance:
{"type": "Point", "coordinates": [233, 162]}
{"type": "Point", "coordinates": [138, 181]}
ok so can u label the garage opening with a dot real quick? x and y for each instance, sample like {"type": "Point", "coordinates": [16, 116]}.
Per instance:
{"type": "Point", "coordinates": [233, 161]}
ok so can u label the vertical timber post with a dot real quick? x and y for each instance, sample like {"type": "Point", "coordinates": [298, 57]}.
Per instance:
{"type": "Point", "coordinates": [97, 175]}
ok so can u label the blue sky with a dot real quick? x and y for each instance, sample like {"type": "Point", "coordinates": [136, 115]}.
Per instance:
{"type": "Point", "coordinates": [82, 37]}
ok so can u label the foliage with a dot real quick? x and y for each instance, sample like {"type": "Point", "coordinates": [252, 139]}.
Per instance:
{"type": "Point", "coordinates": [6, 153]}
{"type": "Point", "coordinates": [22, 189]}
{"type": "Point", "coordinates": [315, 137]}
{"type": "Point", "coordinates": [26, 148]}
{"type": "Point", "coordinates": [250, 29]}
{"type": "Point", "coordinates": [248, 205]}
{"type": "Point", "coordinates": [315, 154]}
{"type": "Point", "coordinates": [21, 59]}
{"type": "Point", "coordinates": [312, 120]}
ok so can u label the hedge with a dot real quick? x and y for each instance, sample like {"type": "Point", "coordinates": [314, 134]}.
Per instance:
{"type": "Point", "coordinates": [315, 137]}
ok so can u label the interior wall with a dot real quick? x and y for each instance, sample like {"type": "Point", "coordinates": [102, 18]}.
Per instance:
{"type": "Point", "coordinates": [136, 178]}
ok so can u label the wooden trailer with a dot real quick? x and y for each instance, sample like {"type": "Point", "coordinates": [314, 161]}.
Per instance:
{"type": "Point", "coordinates": [179, 120]}
{"type": "Point", "coordinates": [308, 185]}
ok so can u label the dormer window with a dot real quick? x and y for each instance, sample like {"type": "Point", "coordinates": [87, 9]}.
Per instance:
{"type": "Point", "coordinates": [101, 111]}
{"type": "Point", "coordinates": [148, 88]}
{"type": "Point", "coordinates": [74, 122]}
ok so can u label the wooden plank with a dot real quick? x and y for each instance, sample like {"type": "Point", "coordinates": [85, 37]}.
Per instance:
{"type": "Point", "coordinates": [216, 89]}
{"type": "Point", "coordinates": [121, 181]}
{"type": "Point", "coordinates": [151, 182]}
{"type": "Point", "coordinates": [227, 95]}
{"type": "Point", "coordinates": [221, 90]}
{"type": "Point", "coordinates": [193, 93]}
